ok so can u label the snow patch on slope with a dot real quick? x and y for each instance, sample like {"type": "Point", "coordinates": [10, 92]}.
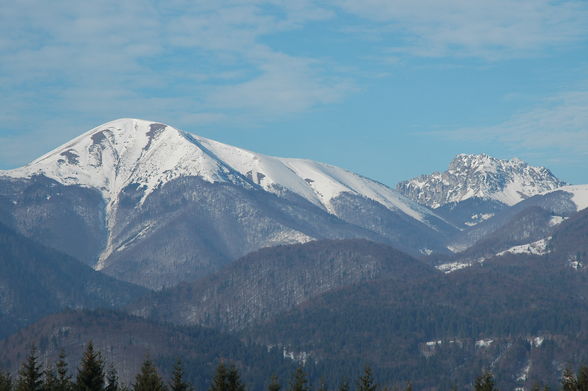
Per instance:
{"type": "Point", "coordinates": [536, 248]}
{"type": "Point", "coordinates": [317, 182]}
{"type": "Point", "coordinates": [580, 195]}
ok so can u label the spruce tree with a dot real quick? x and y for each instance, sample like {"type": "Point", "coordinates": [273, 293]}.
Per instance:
{"type": "Point", "coordinates": [30, 375]}
{"type": "Point", "coordinates": [177, 381]}
{"type": "Point", "coordinates": [91, 371]}
{"type": "Point", "coordinates": [234, 382]}
{"type": "Point", "coordinates": [299, 382]}
{"type": "Point", "coordinates": [344, 386]}
{"type": "Point", "coordinates": [5, 381]}
{"type": "Point", "coordinates": [50, 381]}
{"type": "Point", "coordinates": [111, 379]}
{"type": "Point", "coordinates": [485, 382]}
{"type": "Point", "coordinates": [366, 381]}
{"type": "Point", "coordinates": [322, 385]}
{"type": "Point", "coordinates": [148, 379]}
{"type": "Point", "coordinates": [274, 384]}
{"type": "Point", "coordinates": [63, 377]}
{"type": "Point", "coordinates": [220, 381]}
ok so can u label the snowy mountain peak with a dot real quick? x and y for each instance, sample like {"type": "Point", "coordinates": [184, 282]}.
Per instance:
{"type": "Point", "coordinates": [126, 151]}
{"type": "Point", "coordinates": [150, 154]}
{"type": "Point", "coordinates": [482, 176]}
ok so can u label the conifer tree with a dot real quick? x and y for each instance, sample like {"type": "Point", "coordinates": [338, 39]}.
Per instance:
{"type": "Point", "coordinates": [5, 381]}
{"type": "Point", "coordinates": [344, 386]}
{"type": "Point", "coordinates": [50, 380]}
{"type": "Point", "coordinates": [91, 371]}
{"type": "Point", "coordinates": [299, 382]}
{"type": "Point", "coordinates": [234, 382]}
{"type": "Point", "coordinates": [177, 380]}
{"type": "Point", "coordinates": [485, 382]}
{"type": "Point", "coordinates": [366, 381]}
{"type": "Point", "coordinates": [148, 379]}
{"type": "Point", "coordinates": [30, 375]}
{"type": "Point", "coordinates": [63, 377]}
{"type": "Point", "coordinates": [111, 379]}
{"type": "Point", "coordinates": [220, 381]}
{"type": "Point", "coordinates": [322, 385]}
{"type": "Point", "coordinates": [274, 384]}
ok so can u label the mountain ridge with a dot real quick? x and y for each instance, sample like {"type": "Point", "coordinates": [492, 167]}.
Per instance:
{"type": "Point", "coordinates": [480, 176]}
{"type": "Point", "coordinates": [170, 153]}
{"type": "Point", "coordinates": [178, 206]}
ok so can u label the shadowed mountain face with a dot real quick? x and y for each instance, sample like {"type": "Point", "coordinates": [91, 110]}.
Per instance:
{"type": "Point", "coordinates": [36, 281]}
{"type": "Point", "coordinates": [155, 206]}
{"type": "Point", "coordinates": [68, 218]}
{"type": "Point", "coordinates": [265, 283]}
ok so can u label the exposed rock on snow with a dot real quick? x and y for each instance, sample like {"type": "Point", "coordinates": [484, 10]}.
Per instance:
{"type": "Point", "coordinates": [481, 176]}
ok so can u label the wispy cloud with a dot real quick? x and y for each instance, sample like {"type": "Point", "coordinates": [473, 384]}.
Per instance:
{"type": "Point", "coordinates": [556, 129]}
{"type": "Point", "coordinates": [476, 28]}
{"type": "Point", "coordinates": [99, 56]}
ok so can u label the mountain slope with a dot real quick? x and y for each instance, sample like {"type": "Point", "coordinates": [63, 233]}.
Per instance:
{"type": "Point", "coordinates": [176, 206]}
{"type": "Point", "coordinates": [480, 176]}
{"type": "Point", "coordinates": [560, 204]}
{"type": "Point", "coordinates": [517, 311]}
{"type": "Point", "coordinates": [36, 281]}
{"type": "Point", "coordinates": [128, 151]}
{"type": "Point", "coordinates": [260, 285]}
{"type": "Point", "coordinates": [125, 341]}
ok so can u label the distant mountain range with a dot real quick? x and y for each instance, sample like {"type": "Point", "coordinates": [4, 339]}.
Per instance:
{"type": "Point", "coordinates": [291, 261]}
{"type": "Point", "coordinates": [154, 205]}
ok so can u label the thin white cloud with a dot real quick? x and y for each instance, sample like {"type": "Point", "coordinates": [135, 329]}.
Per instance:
{"type": "Point", "coordinates": [556, 129]}
{"type": "Point", "coordinates": [99, 56]}
{"type": "Point", "coordinates": [477, 28]}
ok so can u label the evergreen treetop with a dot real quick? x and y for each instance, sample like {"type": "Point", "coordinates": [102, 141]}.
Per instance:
{"type": "Point", "coordinates": [274, 384]}
{"type": "Point", "coordinates": [234, 382]}
{"type": "Point", "coordinates": [91, 371]}
{"type": "Point", "coordinates": [30, 375]}
{"type": "Point", "coordinates": [177, 381]}
{"type": "Point", "coordinates": [299, 382]}
{"type": "Point", "coordinates": [366, 381]}
{"type": "Point", "coordinates": [220, 381]}
{"type": "Point", "coordinates": [148, 379]}
{"type": "Point", "coordinates": [485, 382]}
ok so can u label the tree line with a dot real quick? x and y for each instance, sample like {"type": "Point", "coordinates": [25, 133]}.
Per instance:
{"type": "Point", "coordinates": [92, 375]}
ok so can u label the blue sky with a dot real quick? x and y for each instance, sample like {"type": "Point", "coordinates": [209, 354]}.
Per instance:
{"type": "Point", "coordinates": [386, 88]}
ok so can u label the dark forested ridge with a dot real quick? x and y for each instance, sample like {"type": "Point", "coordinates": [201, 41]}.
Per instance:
{"type": "Point", "coordinates": [126, 341]}
{"type": "Point", "coordinates": [36, 281]}
{"type": "Point", "coordinates": [449, 326]}
{"type": "Point", "coordinates": [94, 373]}
{"type": "Point", "coordinates": [272, 280]}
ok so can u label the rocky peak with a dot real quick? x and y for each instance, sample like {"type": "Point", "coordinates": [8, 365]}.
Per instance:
{"type": "Point", "coordinates": [481, 176]}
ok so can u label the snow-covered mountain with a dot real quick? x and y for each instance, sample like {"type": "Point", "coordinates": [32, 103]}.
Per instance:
{"type": "Point", "coordinates": [480, 176]}
{"type": "Point", "coordinates": [132, 151]}
{"type": "Point", "coordinates": [176, 205]}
